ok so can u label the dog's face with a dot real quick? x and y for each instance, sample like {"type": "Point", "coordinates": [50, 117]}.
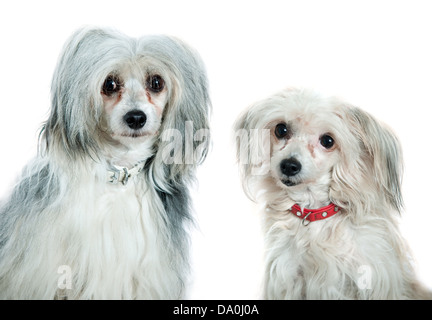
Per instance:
{"type": "Point", "coordinates": [303, 150]}
{"type": "Point", "coordinates": [114, 97]}
{"type": "Point", "coordinates": [319, 149]}
{"type": "Point", "coordinates": [133, 104]}
{"type": "Point", "coordinates": [307, 141]}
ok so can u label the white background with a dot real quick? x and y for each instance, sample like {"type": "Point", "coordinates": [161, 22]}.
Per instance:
{"type": "Point", "coordinates": [376, 54]}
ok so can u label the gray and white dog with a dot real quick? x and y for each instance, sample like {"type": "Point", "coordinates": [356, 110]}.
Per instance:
{"type": "Point", "coordinates": [102, 211]}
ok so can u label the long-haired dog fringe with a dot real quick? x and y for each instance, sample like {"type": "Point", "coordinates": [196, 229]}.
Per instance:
{"type": "Point", "coordinates": [103, 211]}
{"type": "Point", "coordinates": [328, 176]}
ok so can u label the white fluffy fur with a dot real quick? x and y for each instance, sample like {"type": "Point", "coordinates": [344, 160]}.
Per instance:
{"type": "Point", "coordinates": [117, 241]}
{"type": "Point", "coordinates": [358, 253]}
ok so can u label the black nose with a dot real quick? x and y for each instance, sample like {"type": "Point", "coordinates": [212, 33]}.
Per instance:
{"type": "Point", "coordinates": [135, 119]}
{"type": "Point", "coordinates": [290, 167]}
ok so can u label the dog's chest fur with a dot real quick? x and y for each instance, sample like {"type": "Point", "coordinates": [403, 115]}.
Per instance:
{"type": "Point", "coordinates": [114, 242]}
{"type": "Point", "coordinates": [329, 259]}
{"type": "Point", "coordinates": [301, 262]}
{"type": "Point", "coordinates": [101, 241]}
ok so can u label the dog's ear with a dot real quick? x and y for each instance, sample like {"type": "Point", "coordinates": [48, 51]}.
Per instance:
{"type": "Point", "coordinates": [184, 136]}
{"type": "Point", "coordinates": [76, 102]}
{"type": "Point", "coordinates": [376, 161]}
{"type": "Point", "coordinates": [252, 143]}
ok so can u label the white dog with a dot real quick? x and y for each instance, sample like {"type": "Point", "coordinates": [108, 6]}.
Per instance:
{"type": "Point", "coordinates": [103, 210]}
{"type": "Point", "coordinates": [329, 177]}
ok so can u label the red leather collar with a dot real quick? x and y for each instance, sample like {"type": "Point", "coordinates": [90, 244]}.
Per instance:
{"type": "Point", "coordinates": [314, 214]}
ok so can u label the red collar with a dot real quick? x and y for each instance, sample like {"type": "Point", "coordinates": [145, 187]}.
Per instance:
{"type": "Point", "coordinates": [314, 214]}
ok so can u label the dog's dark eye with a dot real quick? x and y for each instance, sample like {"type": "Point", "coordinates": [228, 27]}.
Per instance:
{"type": "Point", "coordinates": [111, 85]}
{"type": "Point", "coordinates": [281, 131]}
{"type": "Point", "coordinates": [155, 83]}
{"type": "Point", "coordinates": [327, 141]}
